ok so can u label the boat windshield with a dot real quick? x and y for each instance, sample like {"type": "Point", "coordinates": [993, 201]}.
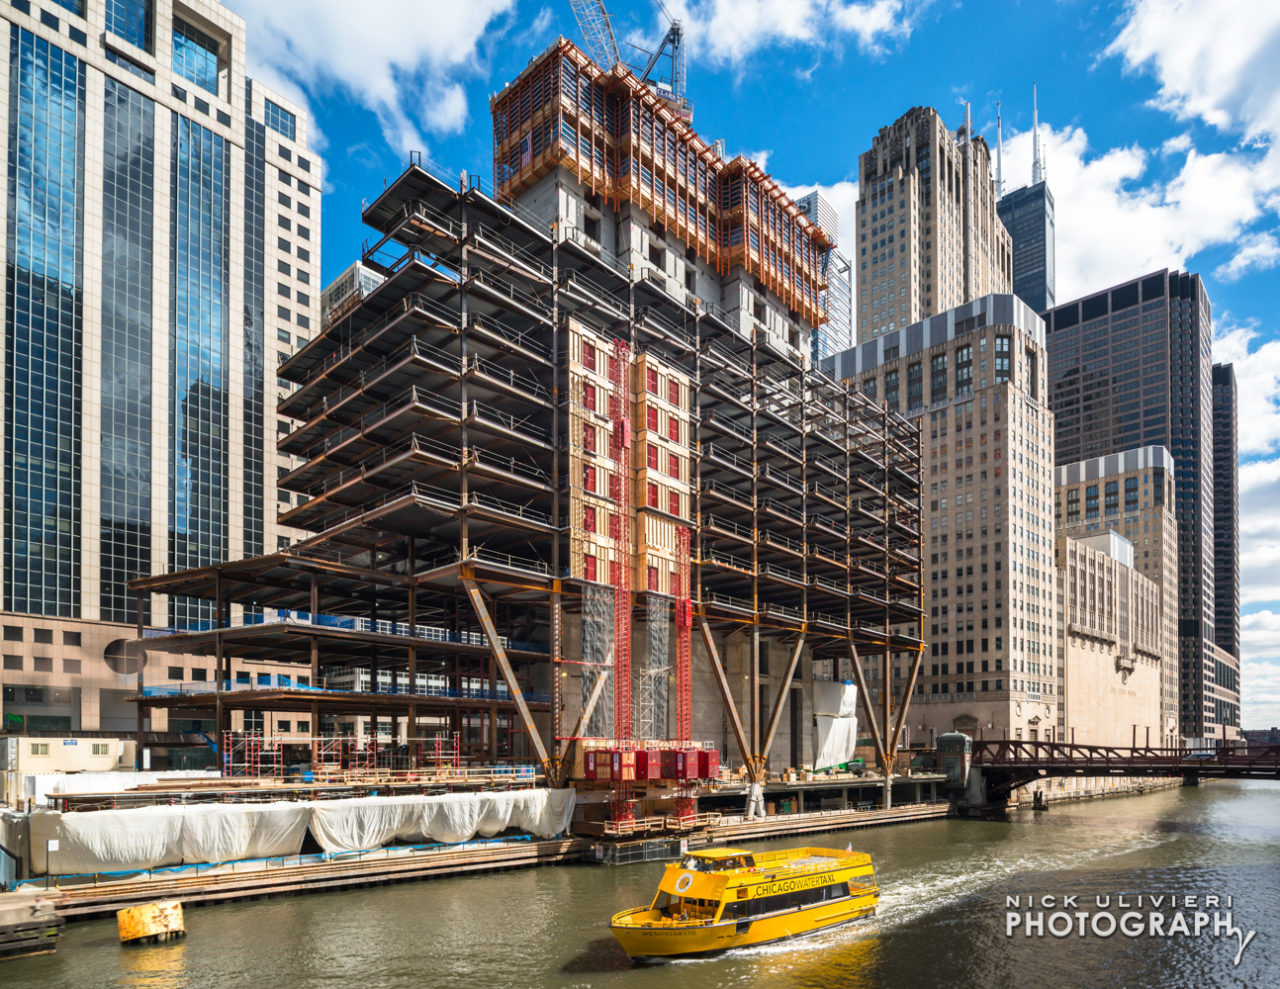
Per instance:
{"type": "Point", "coordinates": [685, 908]}
{"type": "Point", "coordinates": [695, 863]}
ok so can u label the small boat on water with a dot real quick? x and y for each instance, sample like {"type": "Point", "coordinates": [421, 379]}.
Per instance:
{"type": "Point", "coordinates": [714, 900]}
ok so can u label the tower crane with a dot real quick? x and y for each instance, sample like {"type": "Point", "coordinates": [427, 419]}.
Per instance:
{"type": "Point", "coordinates": [596, 24]}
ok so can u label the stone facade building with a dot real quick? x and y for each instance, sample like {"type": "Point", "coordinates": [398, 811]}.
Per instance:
{"type": "Point", "coordinates": [974, 378]}
{"type": "Point", "coordinates": [928, 237]}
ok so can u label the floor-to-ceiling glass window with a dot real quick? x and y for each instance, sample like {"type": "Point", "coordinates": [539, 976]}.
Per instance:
{"type": "Point", "coordinates": [43, 302]}
{"type": "Point", "coordinates": [132, 20]}
{"type": "Point", "coordinates": [128, 190]}
{"type": "Point", "coordinates": [255, 194]}
{"type": "Point", "coordinates": [199, 325]}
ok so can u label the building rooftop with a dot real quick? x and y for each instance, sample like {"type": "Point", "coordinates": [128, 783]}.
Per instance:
{"type": "Point", "coordinates": [1142, 458]}
{"type": "Point", "coordinates": [990, 310]}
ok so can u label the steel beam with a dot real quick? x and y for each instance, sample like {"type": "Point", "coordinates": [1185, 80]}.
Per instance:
{"type": "Point", "coordinates": [508, 674]}
{"type": "Point", "coordinates": [905, 703]}
{"type": "Point", "coordinates": [726, 697]}
{"type": "Point", "coordinates": [784, 691]}
{"type": "Point", "coordinates": [870, 711]}
{"type": "Point", "coordinates": [588, 709]}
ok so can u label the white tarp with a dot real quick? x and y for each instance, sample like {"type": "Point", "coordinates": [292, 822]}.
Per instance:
{"type": "Point", "coordinates": [835, 705]}
{"type": "Point", "coordinates": [370, 822]}
{"type": "Point", "coordinates": [229, 832]}
{"type": "Point", "coordinates": [835, 699]}
{"type": "Point", "coordinates": [837, 739]}
{"type": "Point", "coordinates": [107, 840]}
{"type": "Point", "coordinates": [142, 838]}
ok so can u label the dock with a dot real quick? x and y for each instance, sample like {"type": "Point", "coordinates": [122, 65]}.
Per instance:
{"type": "Point", "coordinates": [784, 825]}
{"type": "Point", "coordinates": [308, 874]}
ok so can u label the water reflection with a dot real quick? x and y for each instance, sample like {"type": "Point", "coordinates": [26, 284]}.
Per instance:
{"type": "Point", "coordinates": [940, 920]}
{"type": "Point", "coordinates": [154, 966]}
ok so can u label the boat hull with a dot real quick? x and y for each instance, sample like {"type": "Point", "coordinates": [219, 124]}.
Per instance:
{"type": "Point", "coordinates": [686, 940]}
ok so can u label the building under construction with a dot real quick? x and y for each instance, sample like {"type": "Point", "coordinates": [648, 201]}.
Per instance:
{"type": "Point", "coordinates": [570, 480]}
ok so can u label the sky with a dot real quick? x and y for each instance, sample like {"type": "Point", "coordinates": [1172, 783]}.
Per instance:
{"type": "Point", "coordinates": [1159, 119]}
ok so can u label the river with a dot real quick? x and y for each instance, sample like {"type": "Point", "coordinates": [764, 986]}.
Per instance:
{"type": "Point", "coordinates": [942, 917]}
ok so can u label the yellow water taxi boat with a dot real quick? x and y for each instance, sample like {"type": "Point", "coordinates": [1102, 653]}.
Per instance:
{"type": "Point", "coordinates": [714, 900]}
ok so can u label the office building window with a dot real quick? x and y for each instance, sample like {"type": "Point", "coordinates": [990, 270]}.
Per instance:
{"type": "Point", "coordinates": [43, 387]}
{"type": "Point", "coordinates": [132, 20]}
{"type": "Point", "coordinates": [891, 392]}
{"type": "Point", "coordinates": [195, 55]}
{"type": "Point", "coordinates": [199, 344]}
{"type": "Point", "coordinates": [915, 385]}
{"type": "Point", "coordinates": [127, 214]}
{"type": "Point", "coordinates": [280, 120]}
{"type": "Point", "coordinates": [1002, 358]}
{"type": "Point", "coordinates": [938, 378]}
{"type": "Point", "coordinates": [964, 370]}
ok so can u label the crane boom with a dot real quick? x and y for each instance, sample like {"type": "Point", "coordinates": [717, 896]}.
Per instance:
{"type": "Point", "coordinates": [596, 25]}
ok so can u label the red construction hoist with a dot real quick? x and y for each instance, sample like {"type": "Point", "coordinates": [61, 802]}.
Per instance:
{"type": "Point", "coordinates": [620, 568]}
{"type": "Point", "coordinates": [684, 636]}
{"type": "Point", "coordinates": [686, 801]}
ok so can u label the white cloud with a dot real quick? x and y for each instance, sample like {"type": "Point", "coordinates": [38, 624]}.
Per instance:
{"type": "Point", "coordinates": [1216, 61]}
{"type": "Point", "coordinates": [1179, 144]}
{"type": "Point", "coordinates": [1260, 669]}
{"type": "Point", "coordinates": [406, 76]}
{"type": "Point", "coordinates": [1259, 533]}
{"type": "Point", "coordinates": [1115, 221]}
{"type": "Point", "coordinates": [728, 31]}
{"type": "Point", "coordinates": [760, 157]}
{"type": "Point", "coordinates": [1257, 368]}
{"type": "Point", "coordinates": [1258, 252]}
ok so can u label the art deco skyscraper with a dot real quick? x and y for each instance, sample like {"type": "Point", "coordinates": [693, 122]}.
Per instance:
{"type": "Point", "coordinates": [928, 237]}
{"type": "Point", "coordinates": [974, 378]}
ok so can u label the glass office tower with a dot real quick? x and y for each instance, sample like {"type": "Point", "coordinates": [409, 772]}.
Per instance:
{"type": "Point", "coordinates": [161, 251]}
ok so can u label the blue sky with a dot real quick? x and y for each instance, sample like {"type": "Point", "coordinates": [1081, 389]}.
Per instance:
{"type": "Point", "coordinates": [1160, 121]}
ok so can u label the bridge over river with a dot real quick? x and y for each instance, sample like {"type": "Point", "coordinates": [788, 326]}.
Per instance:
{"type": "Point", "coordinates": [996, 768]}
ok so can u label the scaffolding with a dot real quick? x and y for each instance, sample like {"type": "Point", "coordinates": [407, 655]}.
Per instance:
{"type": "Point", "coordinates": [250, 754]}
{"type": "Point", "coordinates": [684, 637]}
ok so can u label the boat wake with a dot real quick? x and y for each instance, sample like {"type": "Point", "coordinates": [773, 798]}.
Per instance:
{"type": "Point", "coordinates": [908, 895]}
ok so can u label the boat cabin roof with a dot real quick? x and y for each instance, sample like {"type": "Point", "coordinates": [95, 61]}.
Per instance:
{"type": "Point", "coordinates": [720, 853]}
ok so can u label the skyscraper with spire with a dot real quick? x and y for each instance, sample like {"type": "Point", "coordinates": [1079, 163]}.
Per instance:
{"type": "Point", "coordinates": [1027, 213]}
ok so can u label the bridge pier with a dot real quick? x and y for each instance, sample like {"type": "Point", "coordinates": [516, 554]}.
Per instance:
{"type": "Point", "coordinates": [974, 797]}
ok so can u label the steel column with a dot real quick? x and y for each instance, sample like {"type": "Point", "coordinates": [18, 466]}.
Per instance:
{"type": "Point", "coordinates": [867, 707]}
{"type": "Point", "coordinates": [784, 692]}
{"type": "Point", "coordinates": [508, 674]}
{"type": "Point", "coordinates": [726, 697]}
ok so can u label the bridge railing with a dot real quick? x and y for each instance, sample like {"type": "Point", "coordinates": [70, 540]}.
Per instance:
{"type": "Point", "coordinates": [1031, 755]}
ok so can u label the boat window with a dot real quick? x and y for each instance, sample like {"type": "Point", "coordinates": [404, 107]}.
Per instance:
{"type": "Point", "coordinates": [785, 901]}
{"type": "Point", "coordinates": [662, 902]}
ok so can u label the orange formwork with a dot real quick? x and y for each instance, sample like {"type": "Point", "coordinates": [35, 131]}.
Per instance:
{"type": "Point", "coordinates": [623, 142]}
